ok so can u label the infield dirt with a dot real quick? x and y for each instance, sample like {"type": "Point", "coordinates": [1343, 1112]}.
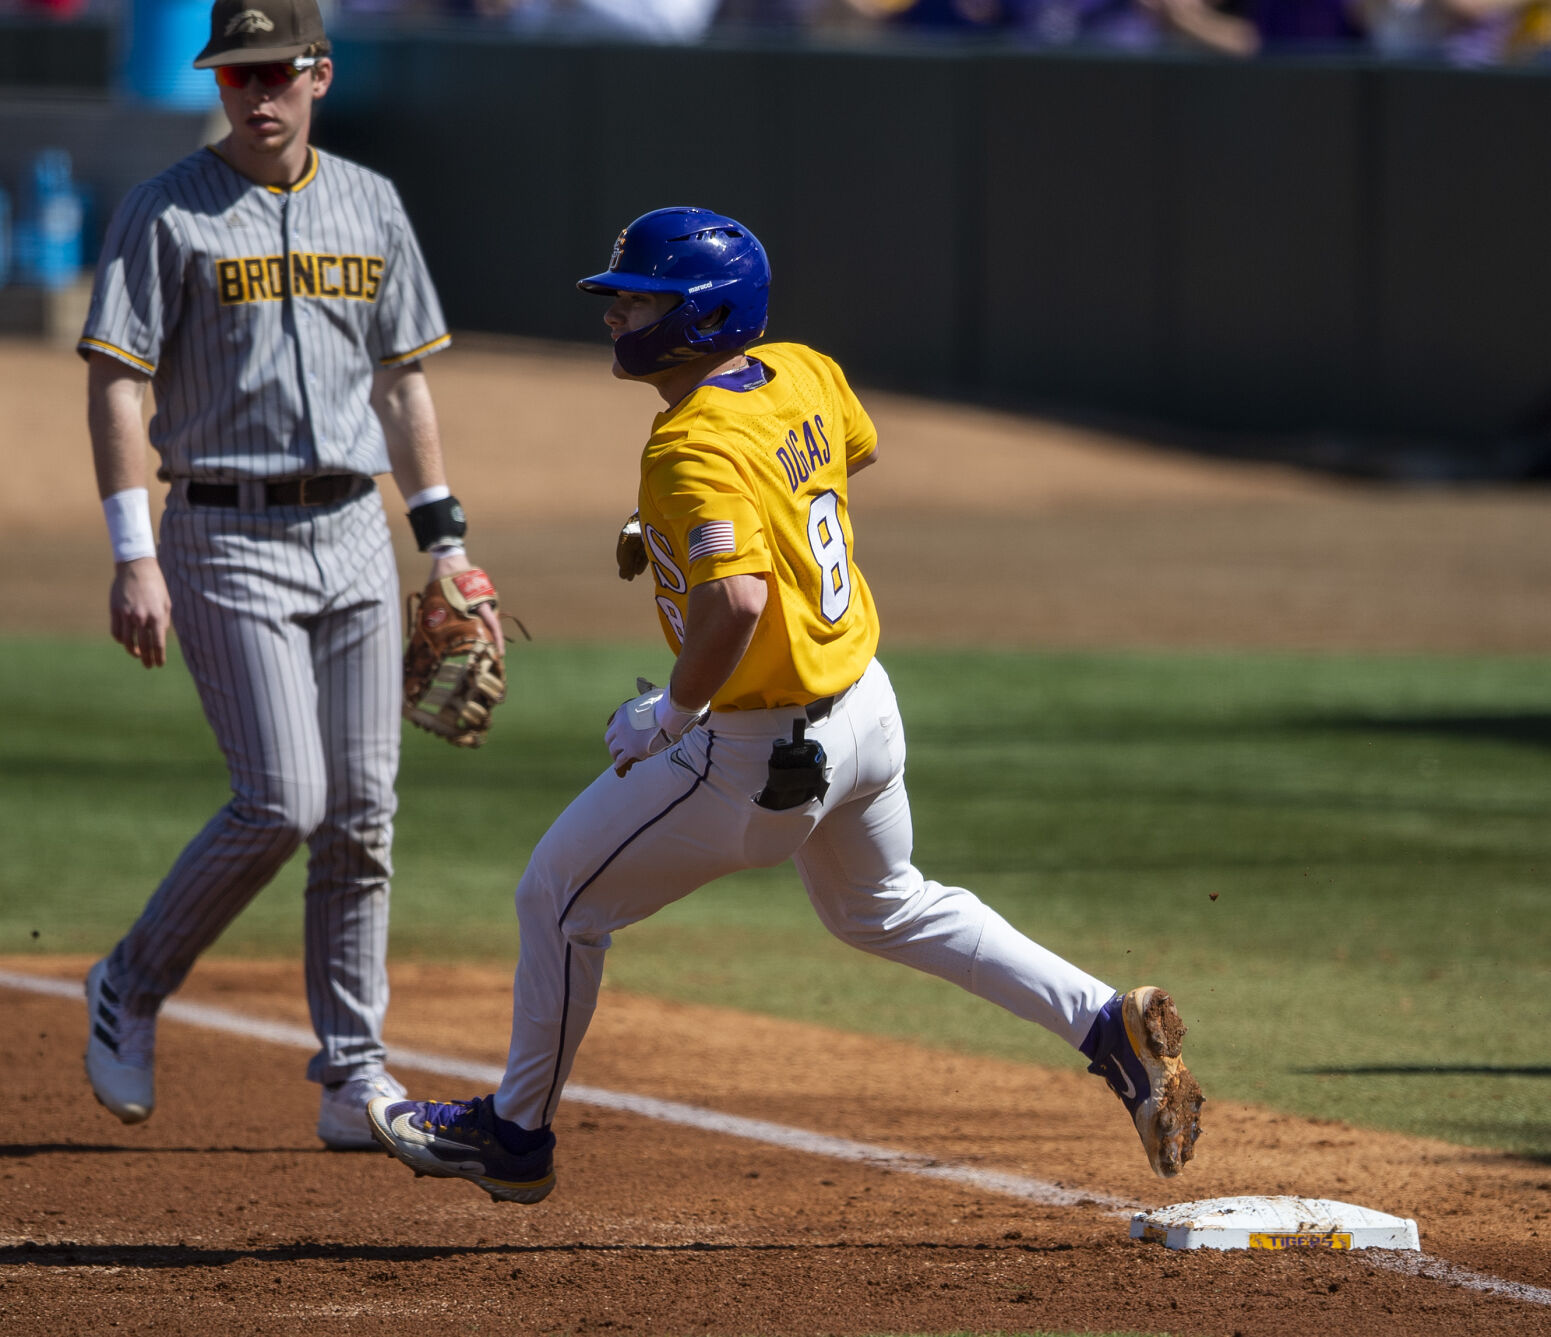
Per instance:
{"type": "Point", "coordinates": [223, 1214]}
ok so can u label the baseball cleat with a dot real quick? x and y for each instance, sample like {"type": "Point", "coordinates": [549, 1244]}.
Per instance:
{"type": "Point", "coordinates": [120, 1050]}
{"type": "Point", "coordinates": [458, 1140]}
{"type": "Point", "coordinates": [1137, 1050]}
{"type": "Point", "coordinates": [342, 1121]}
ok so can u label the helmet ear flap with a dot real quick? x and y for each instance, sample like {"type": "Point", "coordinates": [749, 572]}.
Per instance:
{"type": "Point", "coordinates": [672, 338]}
{"type": "Point", "coordinates": [711, 324]}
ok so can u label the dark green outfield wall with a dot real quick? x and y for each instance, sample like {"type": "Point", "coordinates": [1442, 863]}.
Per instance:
{"type": "Point", "coordinates": [1267, 248]}
{"type": "Point", "coordinates": [1349, 252]}
{"type": "Point", "coordinates": [837, 162]}
{"type": "Point", "coordinates": [66, 56]}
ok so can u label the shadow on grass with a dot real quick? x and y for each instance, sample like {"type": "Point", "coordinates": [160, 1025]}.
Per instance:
{"type": "Point", "coordinates": [1532, 730]}
{"type": "Point", "coordinates": [1425, 1070]}
{"type": "Point", "coordinates": [141, 772]}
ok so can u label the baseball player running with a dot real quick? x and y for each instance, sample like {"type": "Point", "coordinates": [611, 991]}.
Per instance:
{"type": "Point", "coordinates": [776, 736]}
{"type": "Point", "coordinates": [277, 300]}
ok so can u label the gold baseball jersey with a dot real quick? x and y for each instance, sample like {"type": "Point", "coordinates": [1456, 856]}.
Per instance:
{"type": "Point", "coordinates": [747, 475]}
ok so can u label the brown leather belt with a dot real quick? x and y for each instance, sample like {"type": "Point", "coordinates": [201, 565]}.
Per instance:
{"type": "Point", "coordinates": [321, 490]}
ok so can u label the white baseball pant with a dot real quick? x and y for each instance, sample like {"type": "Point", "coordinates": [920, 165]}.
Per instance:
{"type": "Point", "coordinates": [627, 846]}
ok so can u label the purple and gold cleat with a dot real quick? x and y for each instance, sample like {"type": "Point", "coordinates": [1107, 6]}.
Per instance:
{"type": "Point", "coordinates": [1135, 1047]}
{"type": "Point", "coordinates": [460, 1139]}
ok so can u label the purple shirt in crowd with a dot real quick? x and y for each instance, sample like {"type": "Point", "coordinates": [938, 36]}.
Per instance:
{"type": "Point", "coordinates": [1294, 22]}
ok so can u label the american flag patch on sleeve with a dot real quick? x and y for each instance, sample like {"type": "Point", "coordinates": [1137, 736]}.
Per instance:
{"type": "Point", "coordinates": [712, 537]}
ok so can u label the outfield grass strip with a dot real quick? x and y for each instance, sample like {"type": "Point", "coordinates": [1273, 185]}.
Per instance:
{"type": "Point", "coordinates": [488, 1075]}
{"type": "Point", "coordinates": [1245, 829]}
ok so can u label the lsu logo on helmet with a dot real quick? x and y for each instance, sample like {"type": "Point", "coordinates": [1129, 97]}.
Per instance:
{"type": "Point", "coordinates": [250, 20]}
{"type": "Point", "coordinates": [619, 247]}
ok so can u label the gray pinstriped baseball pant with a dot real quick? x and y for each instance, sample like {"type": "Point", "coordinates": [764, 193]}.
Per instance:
{"type": "Point", "coordinates": [288, 619]}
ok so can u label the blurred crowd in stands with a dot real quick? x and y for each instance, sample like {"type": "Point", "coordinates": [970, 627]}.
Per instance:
{"type": "Point", "coordinates": [1461, 32]}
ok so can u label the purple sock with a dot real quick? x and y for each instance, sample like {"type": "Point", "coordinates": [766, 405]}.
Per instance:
{"type": "Point", "coordinates": [1106, 1030]}
{"type": "Point", "coordinates": [515, 1138]}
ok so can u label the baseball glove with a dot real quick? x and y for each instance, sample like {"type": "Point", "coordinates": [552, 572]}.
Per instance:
{"type": "Point", "coordinates": [454, 672]}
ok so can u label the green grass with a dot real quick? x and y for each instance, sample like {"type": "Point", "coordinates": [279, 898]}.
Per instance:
{"type": "Point", "coordinates": [1337, 864]}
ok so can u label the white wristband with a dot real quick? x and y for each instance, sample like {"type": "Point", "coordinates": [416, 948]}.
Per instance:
{"type": "Point", "coordinates": [672, 718]}
{"type": "Point", "coordinates": [129, 524]}
{"type": "Point", "coordinates": [445, 548]}
{"type": "Point", "coordinates": [427, 494]}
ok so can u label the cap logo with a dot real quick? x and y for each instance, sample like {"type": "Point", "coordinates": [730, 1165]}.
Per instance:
{"type": "Point", "coordinates": [619, 247]}
{"type": "Point", "coordinates": [250, 20]}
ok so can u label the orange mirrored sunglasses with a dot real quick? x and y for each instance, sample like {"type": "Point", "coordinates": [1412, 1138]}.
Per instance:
{"type": "Point", "coordinates": [272, 74]}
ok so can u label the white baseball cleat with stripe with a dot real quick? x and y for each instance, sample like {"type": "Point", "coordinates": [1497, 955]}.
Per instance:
{"type": "Point", "coordinates": [120, 1051]}
{"type": "Point", "coordinates": [342, 1121]}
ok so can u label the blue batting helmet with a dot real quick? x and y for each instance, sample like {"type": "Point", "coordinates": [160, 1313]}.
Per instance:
{"type": "Point", "coordinates": [715, 265]}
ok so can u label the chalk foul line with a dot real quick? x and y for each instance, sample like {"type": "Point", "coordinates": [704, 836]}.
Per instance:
{"type": "Point", "coordinates": [487, 1076]}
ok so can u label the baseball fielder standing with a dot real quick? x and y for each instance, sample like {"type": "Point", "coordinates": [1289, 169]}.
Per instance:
{"type": "Point", "coordinates": [276, 298]}
{"type": "Point", "coordinates": [777, 735]}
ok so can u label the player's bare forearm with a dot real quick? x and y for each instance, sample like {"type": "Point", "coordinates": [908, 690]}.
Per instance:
{"type": "Point", "coordinates": [1199, 20]}
{"type": "Point", "coordinates": [719, 623]}
{"type": "Point", "coordinates": [401, 397]}
{"type": "Point", "coordinates": [866, 462]}
{"type": "Point", "coordinates": [139, 607]}
{"type": "Point", "coordinates": [115, 398]}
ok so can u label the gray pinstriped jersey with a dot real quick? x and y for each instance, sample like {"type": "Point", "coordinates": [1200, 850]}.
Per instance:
{"type": "Point", "coordinates": [190, 288]}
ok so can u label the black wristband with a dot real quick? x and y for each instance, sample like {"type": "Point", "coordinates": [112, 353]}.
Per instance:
{"type": "Point", "coordinates": [437, 520]}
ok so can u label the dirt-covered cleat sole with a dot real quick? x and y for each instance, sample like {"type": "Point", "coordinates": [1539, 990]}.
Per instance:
{"type": "Point", "coordinates": [457, 1140]}
{"type": "Point", "coordinates": [1168, 1117]}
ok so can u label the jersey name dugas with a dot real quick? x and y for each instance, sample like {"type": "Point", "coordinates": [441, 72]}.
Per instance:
{"type": "Point", "coordinates": [262, 314]}
{"type": "Point", "coordinates": [755, 482]}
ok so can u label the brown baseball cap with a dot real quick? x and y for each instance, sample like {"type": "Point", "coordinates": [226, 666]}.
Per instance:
{"type": "Point", "coordinates": [250, 32]}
